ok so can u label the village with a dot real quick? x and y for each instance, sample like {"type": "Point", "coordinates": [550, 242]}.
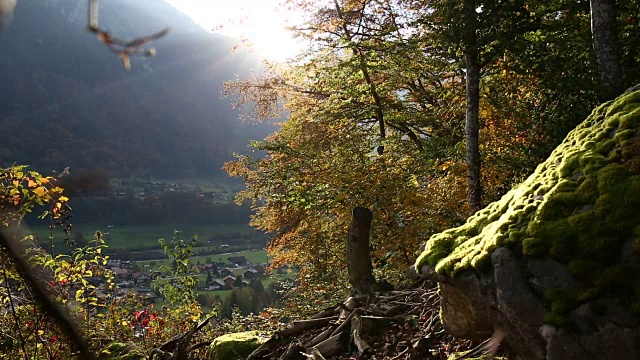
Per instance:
{"type": "Point", "coordinates": [133, 277]}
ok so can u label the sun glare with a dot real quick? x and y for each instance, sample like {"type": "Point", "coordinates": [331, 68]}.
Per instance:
{"type": "Point", "coordinates": [259, 24]}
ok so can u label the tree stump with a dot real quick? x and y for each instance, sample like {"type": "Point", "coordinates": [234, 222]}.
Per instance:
{"type": "Point", "coordinates": [358, 257]}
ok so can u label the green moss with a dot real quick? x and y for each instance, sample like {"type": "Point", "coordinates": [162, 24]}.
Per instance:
{"type": "Point", "coordinates": [557, 320]}
{"type": "Point", "coordinates": [235, 346]}
{"type": "Point", "coordinates": [578, 207]}
{"type": "Point", "coordinates": [562, 302]}
{"type": "Point", "coordinates": [584, 270]}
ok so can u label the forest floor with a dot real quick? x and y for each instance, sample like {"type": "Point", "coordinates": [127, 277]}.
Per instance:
{"type": "Point", "coordinates": [394, 325]}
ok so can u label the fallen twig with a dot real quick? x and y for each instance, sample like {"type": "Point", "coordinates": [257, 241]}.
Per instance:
{"type": "Point", "coordinates": [346, 321]}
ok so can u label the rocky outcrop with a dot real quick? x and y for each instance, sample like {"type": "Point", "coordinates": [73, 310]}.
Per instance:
{"type": "Point", "coordinates": [554, 264]}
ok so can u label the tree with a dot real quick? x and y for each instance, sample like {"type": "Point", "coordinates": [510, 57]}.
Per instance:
{"type": "Point", "coordinates": [237, 283]}
{"type": "Point", "coordinates": [472, 124]}
{"type": "Point", "coordinates": [322, 163]}
{"type": "Point", "coordinates": [358, 258]}
{"type": "Point", "coordinates": [606, 47]}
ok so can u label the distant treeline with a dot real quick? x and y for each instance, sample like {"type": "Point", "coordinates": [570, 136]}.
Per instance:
{"type": "Point", "coordinates": [95, 200]}
{"type": "Point", "coordinates": [179, 207]}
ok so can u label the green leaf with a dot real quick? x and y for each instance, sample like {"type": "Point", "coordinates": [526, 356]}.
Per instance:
{"type": "Point", "coordinates": [79, 295]}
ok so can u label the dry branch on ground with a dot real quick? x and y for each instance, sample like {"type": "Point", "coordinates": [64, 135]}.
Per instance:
{"type": "Point", "coordinates": [402, 324]}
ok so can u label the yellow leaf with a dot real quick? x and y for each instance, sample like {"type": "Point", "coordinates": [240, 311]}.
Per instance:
{"type": "Point", "coordinates": [44, 180]}
{"type": "Point", "coordinates": [32, 184]}
{"type": "Point", "coordinates": [40, 191]}
{"type": "Point", "coordinates": [40, 332]}
{"type": "Point", "coordinates": [63, 199]}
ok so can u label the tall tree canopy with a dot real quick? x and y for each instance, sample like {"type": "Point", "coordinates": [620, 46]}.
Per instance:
{"type": "Point", "coordinates": [375, 115]}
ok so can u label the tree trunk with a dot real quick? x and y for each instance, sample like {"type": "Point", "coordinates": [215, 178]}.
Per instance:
{"type": "Point", "coordinates": [358, 257]}
{"type": "Point", "coordinates": [472, 125]}
{"type": "Point", "coordinates": [605, 45]}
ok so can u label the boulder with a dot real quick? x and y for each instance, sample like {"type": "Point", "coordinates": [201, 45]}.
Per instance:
{"type": "Point", "coordinates": [554, 263]}
{"type": "Point", "coordinates": [235, 346]}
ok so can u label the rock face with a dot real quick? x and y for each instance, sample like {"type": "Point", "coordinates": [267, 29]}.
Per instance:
{"type": "Point", "coordinates": [554, 264]}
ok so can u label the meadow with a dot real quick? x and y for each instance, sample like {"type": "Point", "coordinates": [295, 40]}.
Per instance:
{"type": "Point", "coordinates": [258, 256]}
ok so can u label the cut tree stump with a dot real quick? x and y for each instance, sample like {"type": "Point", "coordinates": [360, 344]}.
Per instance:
{"type": "Point", "coordinates": [358, 258]}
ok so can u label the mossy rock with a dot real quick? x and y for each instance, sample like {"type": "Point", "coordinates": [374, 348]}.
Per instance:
{"type": "Point", "coordinates": [122, 351]}
{"type": "Point", "coordinates": [235, 346]}
{"type": "Point", "coordinates": [580, 207]}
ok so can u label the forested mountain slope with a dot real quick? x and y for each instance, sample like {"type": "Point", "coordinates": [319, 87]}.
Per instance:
{"type": "Point", "coordinates": [67, 101]}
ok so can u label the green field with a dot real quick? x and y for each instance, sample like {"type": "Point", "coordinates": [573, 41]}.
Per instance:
{"type": "Point", "coordinates": [254, 256]}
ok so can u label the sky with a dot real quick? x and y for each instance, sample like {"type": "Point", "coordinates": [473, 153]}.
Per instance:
{"type": "Point", "coordinates": [262, 23]}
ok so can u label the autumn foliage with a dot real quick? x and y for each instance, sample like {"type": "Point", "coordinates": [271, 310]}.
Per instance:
{"type": "Point", "coordinates": [373, 115]}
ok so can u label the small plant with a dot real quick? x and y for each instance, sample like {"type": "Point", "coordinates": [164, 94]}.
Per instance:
{"type": "Point", "coordinates": [178, 281]}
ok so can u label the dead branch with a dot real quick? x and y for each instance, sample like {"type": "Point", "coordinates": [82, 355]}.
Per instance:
{"type": "Point", "coordinates": [300, 326]}
{"type": "Point", "coordinates": [356, 330]}
{"type": "Point", "coordinates": [346, 321]}
{"type": "Point", "coordinates": [332, 346]}
{"type": "Point", "coordinates": [320, 338]}
{"type": "Point", "coordinates": [315, 355]}
{"type": "Point", "coordinates": [41, 294]}
{"type": "Point", "coordinates": [124, 49]}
